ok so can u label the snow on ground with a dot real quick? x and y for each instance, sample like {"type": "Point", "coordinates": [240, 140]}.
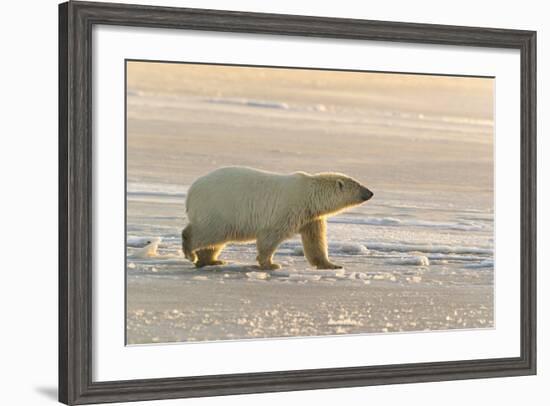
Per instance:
{"type": "Point", "coordinates": [394, 278]}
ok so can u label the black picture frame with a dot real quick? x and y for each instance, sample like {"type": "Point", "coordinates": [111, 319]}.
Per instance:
{"type": "Point", "coordinates": [76, 20]}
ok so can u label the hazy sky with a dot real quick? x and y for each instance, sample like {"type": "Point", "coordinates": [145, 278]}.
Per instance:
{"type": "Point", "coordinates": [393, 130]}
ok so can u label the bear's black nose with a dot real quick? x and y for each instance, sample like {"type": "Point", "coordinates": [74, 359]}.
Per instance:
{"type": "Point", "coordinates": [366, 194]}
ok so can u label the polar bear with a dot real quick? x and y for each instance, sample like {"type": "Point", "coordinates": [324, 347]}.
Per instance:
{"type": "Point", "coordinates": [239, 204]}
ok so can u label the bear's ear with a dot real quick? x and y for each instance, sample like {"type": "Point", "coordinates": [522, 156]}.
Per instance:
{"type": "Point", "coordinates": [340, 184]}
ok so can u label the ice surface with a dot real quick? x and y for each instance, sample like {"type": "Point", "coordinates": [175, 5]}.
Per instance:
{"type": "Point", "coordinates": [141, 242]}
{"type": "Point", "coordinates": [416, 260]}
{"type": "Point", "coordinates": [486, 263]}
{"type": "Point", "coordinates": [389, 221]}
{"type": "Point", "coordinates": [353, 249]}
{"type": "Point", "coordinates": [251, 103]}
{"type": "Point", "coordinates": [409, 261]}
{"type": "Point", "coordinates": [150, 249]}
{"type": "Point", "coordinates": [258, 275]}
{"type": "Point", "coordinates": [428, 248]}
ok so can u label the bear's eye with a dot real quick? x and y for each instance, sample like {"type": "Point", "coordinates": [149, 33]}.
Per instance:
{"type": "Point", "coordinates": [341, 185]}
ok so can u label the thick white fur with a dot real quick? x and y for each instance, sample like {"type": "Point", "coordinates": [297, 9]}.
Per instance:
{"type": "Point", "coordinates": [238, 204]}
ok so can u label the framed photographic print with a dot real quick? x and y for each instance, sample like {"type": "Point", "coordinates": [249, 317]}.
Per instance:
{"type": "Point", "coordinates": [258, 202]}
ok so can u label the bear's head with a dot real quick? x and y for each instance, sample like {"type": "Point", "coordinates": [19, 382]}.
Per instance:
{"type": "Point", "coordinates": [334, 192]}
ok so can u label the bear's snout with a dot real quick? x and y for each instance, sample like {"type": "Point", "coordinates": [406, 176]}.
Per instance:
{"type": "Point", "coordinates": [366, 194]}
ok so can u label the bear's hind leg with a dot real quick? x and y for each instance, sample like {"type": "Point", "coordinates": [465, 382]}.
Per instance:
{"type": "Point", "coordinates": [267, 243]}
{"type": "Point", "coordinates": [186, 244]}
{"type": "Point", "coordinates": [209, 256]}
{"type": "Point", "coordinates": [314, 240]}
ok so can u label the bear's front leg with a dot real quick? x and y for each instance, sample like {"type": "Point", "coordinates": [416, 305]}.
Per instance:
{"type": "Point", "coordinates": [267, 242]}
{"type": "Point", "coordinates": [314, 240]}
